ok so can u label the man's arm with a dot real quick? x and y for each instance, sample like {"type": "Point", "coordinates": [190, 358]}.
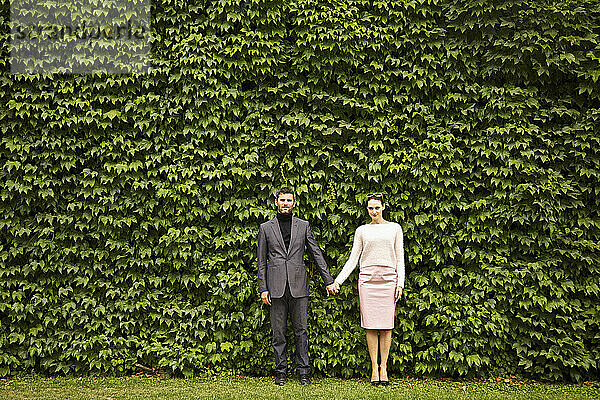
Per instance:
{"type": "Point", "coordinates": [317, 255]}
{"type": "Point", "coordinates": [261, 262]}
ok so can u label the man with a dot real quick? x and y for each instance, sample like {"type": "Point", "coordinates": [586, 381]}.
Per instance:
{"type": "Point", "coordinates": [283, 280]}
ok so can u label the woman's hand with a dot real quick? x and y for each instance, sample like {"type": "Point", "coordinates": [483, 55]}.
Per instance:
{"type": "Point", "coordinates": [398, 293]}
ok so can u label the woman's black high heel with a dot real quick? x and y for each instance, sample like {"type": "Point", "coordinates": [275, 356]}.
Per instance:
{"type": "Point", "coordinates": [381, 382]}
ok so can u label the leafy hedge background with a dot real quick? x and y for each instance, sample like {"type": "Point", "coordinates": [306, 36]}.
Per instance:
{"type": "Point", "coordinates": [131, 203]}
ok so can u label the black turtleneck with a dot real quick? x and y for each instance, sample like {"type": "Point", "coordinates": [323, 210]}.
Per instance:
{"type": "Point", "coordinates": [285, 225]}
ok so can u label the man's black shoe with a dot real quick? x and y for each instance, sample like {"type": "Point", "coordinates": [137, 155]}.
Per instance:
{"type": "Point", "coordinates": [304, 380]}
{"type": "Point", "coordinates": [280, 379]}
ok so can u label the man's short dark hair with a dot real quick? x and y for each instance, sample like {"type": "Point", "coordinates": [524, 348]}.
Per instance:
{"type": "Point", "coordinates": [285, 190]}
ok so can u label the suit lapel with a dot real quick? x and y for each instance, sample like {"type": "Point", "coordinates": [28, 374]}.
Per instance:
{"type": "Point", "coordinates": [277, 231]}
{"type": "Point", "coordinates": [293, 232]}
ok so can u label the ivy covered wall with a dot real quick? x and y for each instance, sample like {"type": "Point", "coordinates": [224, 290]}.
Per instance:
{"type": "Point", "coordinates": [130, 204]}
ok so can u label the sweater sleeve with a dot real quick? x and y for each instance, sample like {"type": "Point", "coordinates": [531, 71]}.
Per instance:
{"type": "Point", "coordinates": [350, 265]}
{"type": "Point", "coordinates": [399, 249]}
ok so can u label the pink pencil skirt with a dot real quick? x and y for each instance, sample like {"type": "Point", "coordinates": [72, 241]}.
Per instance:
{"type": "Point", "coordinates": [376, 287]}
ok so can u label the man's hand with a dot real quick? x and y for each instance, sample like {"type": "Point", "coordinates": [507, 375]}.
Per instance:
{"type": "Point", "coordinates": [398, 293]}
{"type": "Point", "coordinates": [266, 297]}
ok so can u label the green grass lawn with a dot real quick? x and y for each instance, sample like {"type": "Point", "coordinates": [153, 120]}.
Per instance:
{"type": "Point", "coordinates": [137, 387]}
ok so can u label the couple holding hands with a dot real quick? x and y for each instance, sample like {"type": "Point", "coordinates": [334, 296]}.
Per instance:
{"type": "Point", "coordinates": [283, 281]}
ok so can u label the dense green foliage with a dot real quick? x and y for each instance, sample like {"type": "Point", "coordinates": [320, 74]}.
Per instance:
{"type": "Point", "coordinates": [130, 204]}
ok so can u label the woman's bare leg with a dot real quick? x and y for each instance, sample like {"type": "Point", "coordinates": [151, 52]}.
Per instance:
{"type": "Point", "coordinates": [373, 345]}
{"type": "Point", "coordinates": [385, 341]}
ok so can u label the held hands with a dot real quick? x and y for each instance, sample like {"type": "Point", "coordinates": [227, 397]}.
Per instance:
{"type": "Point", "coordinates": [334, 288]}
{"type": "Point", "coordinates": [398, 293]}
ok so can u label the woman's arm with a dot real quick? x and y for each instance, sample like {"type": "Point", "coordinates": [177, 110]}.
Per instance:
{"type": "Point", "coordinates": [399, 250]}
{"type": "Point", "coordinates": [353, 260]}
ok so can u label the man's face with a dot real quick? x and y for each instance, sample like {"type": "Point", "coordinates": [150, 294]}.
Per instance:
{"type": "Point", "coordinates": [285, 203]}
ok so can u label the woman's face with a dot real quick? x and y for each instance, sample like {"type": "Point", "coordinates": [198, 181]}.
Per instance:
{"type": "Point", "coordinates": [375, 208]}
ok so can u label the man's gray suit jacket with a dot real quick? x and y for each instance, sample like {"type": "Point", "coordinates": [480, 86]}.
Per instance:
{"type": "Point", "coordinates": [276, 265]}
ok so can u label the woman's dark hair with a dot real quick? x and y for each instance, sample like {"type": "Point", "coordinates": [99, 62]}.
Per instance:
{"type": "Point", "coordinates": [375, 196]}
{"type": "Point", "coordinates": [285, 190]}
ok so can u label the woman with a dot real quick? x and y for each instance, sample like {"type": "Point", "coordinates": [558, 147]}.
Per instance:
{"type": "Point", "coordinates": [379, 248]}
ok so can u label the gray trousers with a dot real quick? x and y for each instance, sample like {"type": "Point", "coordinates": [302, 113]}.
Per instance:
{"type": "Point", "coordinates": [298, 309]}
